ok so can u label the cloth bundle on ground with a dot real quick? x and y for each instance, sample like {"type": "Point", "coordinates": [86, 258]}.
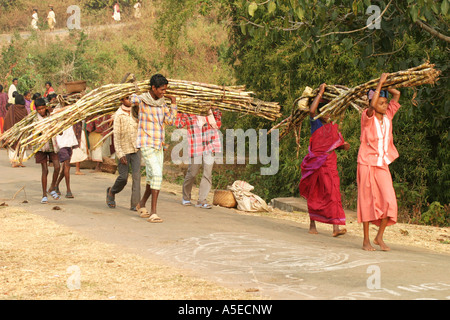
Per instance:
{"type": "Point", "coordinates": [247, 201]}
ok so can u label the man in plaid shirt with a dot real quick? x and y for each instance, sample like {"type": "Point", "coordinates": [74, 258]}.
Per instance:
{"type": "Point", "coordinates": [154, 114]}
{"type": "Point", "coordinates": [204, 141]}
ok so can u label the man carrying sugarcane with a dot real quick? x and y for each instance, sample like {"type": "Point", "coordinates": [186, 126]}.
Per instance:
{"type": "Point", "coordinates": [204, 142]}
{"type": "Point", "coordinates": [154, 114]}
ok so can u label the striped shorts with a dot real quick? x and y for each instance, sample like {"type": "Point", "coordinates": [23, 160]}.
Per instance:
{"type": "Point", "coordinates": [154, 160]}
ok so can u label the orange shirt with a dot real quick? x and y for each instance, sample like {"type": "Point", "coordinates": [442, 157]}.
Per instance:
{"type": "Point", "coordinates": [377, 143]}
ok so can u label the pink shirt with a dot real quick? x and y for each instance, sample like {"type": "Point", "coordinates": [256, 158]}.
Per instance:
{"type": "Point", "coordinates": [377, 143]}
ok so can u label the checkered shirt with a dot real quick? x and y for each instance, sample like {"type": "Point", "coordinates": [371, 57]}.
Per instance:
{"type": "Point", "coordinates": [202, 140]}
{"type": "Point", "coordinates": [152, 120]}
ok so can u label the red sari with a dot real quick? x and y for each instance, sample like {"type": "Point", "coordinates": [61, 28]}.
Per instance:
{"type": "Point", "coordinates": [320, 184]}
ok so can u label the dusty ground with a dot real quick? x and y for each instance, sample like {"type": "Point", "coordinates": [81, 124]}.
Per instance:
{"type": "Point", "coordinates": [36, 255]}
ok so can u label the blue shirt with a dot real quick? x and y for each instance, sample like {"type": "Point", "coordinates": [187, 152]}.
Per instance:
{"type": "Point", "coordinates": [315, 124]}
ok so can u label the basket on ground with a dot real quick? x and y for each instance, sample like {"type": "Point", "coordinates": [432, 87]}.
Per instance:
{"type": "Point", "coordinates": [224, 198]}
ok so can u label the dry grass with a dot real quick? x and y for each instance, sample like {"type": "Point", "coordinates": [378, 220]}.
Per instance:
{"type": "Point", "coordinates": [35, 254]}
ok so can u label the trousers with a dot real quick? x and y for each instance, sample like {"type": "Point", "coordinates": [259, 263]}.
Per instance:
{"type": "Point", "coordinates": [207, 161]}
{"type": "Point", "coordinates": [134, 160]}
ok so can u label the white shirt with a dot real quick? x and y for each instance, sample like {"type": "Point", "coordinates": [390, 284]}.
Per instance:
{"type": "Point", "coordinates": [51, 15]}
{"type": "Point", "coordinates": [11, 90]}
{"type": "Point", "coordinates": [67, 139]}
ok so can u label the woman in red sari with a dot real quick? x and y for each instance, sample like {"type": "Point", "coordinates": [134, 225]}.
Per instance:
{"type": "Point", "coordinates": [320, 184]}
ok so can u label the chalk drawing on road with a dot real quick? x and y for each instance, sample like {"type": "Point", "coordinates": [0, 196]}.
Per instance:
{"type": "Point", "coordinates": [236, 252]}
{"type": "Point", "coordinates": [247, 259]}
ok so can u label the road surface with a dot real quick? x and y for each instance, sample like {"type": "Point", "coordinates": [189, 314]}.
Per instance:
{"type": "Point", "coordinates": [278, 258]}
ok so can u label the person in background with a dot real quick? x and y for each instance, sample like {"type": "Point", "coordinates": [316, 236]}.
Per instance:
{"type": "Point", "coordinates": [80, 153]}
{"type": "Point", "coordinates": [3, 103]}
{"type": "Point", "coordinates": [48, 89]}
{"type": "Point", "coordinates": [27, 96]}
{"type": "Point", "coordinates": [34, 20]}
{"type": "Point", "coordinates": [116, 12]}
{"type": "Point", "coordinates": [11, 90]}
{"type": "Point", "coordinates": [51, 19]}
{"type": "Point", "coordinates": [35, 96]}
{"type": "Point", "coordinates": [97, 129]}
{"type": "Point", "coordinates": [137, 10]}
{"type": "Point", "coordinates": [15, 114]}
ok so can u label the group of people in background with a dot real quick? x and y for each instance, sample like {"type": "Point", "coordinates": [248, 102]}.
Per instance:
{"type": "Point", "coordinates": [51, 16]}
{"type": "Point", "coordinates": [51, 19]}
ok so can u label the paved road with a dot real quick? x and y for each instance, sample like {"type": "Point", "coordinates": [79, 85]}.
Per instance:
{"type": "Point", "coordinates": [276, 257]}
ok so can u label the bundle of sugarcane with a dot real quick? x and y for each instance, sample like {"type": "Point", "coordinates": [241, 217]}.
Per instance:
{"type": "Point", "coordinates": [340, 97]}
{"type": "Point", "coordinates": [227, 98]}
{"type": "Point", "coordinates": [192, 97]}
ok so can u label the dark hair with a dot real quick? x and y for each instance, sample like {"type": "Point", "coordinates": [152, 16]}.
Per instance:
{"type": "Point", "coordinates": [321, 105]}
{"type": "Point", "coordinates": [49, 83]}
{"type": "Point", "coordinates": [19, 99]}
{"type": "Point", "coordinates": [1, 88]}
{"type": "Point", "coordinates": [15, 94]}
{"type": "Point", "coordinates": [15, 79]}
{"type": "Point", "coordinates": [51, 96]}
{"type": "Point", "coordinates": [158, 80]}
{"type": "Point", "coordinates": [39, 102]}
{"type": "Point", "coordinates": [26, 93]}
{"type": "Point", "coordinates": [36, 96]}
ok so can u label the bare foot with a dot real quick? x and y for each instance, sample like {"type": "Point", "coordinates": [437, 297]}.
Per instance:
{"type": "Point", "coordinates": [79, 173]}
{"type": "Point", "coordinates": [312, 227]}
{"type": "Point", "coordinates": [339, 232]}
{"type": "Point", "coordinates": [367, 246]}
{"type": "Point", "coordinates": [382, 245]}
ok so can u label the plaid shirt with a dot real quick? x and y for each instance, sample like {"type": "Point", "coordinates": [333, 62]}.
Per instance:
{"type": "Point", "coordinates": [152, 120]}
{"type": "Point", "coordinates": [202, 140]}
{"type": "Point", "coordinates": [125, 133]}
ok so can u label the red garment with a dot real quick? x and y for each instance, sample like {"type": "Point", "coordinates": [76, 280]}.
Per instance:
{"type": "Point", "coordinates": [48, 92]}
{"type": "Point", "coordinates": [202, 140]}
{"type": "Point", "coordinates": [320, 183]}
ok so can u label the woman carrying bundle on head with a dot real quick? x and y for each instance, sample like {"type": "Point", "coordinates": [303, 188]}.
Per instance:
{"type": "Point", "coordinates": [377, 202]}
{"type": "Point", "coordinates": [320, 184]}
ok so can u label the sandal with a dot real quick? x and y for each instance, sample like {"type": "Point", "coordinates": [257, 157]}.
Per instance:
{"type": "Point", "coordinates": [110, 199]}
{"type": "Point", "coordinates": [143, 212]}
{"type": "Point", "coordinates": [154, 218]}
{"type": "Point", "coordinates": [44, 200]}
{"type": "Point", "coordinates": [69, 195]}
{"type": "Point", "coordinates": [186, 203]}
{"type": "Point", "coordinates": [203, 206]}
{"type": "Point", "coordinates": [57, 191]}
{"type": "Point", "coordinates": [54, 195]}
